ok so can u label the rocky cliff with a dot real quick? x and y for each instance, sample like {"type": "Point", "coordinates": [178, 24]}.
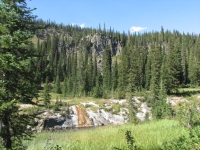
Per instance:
{"type": "Point", "coordinates": [96, 42]}
{"type": "Point", "coordinates": [99, 43]}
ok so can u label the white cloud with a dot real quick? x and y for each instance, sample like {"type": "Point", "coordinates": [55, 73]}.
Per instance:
{"type": "Point", "coordinates": [82, 25]}
{"type": "Point", "coordinates": [136, 29]}
{"type": "Point", "coordinates": [76, 24]}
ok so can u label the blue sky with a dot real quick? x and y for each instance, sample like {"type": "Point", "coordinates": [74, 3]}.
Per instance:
{"type": "Point", "coordinates": [123, 15]}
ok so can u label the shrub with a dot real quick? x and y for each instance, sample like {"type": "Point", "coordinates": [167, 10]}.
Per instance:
{"type": "Point", "coordinates": [131, 144]}
{"type": "Point", "coordinates": [187, 114]}
{"type": "Point", "coordinates": [192, 141]}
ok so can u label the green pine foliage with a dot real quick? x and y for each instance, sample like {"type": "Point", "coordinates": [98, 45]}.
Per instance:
{"type": "Point", "coordinates": [123, 73]}
{"type": "Point", "coordinates": [64, 88]}
{"type": "Point", "coordinates": [134, 71]}
{"type": "Point", "coordinates": [155, 62]}
{"type": "Point", "coordinates": [57, 86]}
{"type": "Point", "coordinates": [106, 70]}
{"type": "Point", "coordinates": [46, 94]}
{"type": "Point", "coordinates": [155, 71]}
{"type": "Point", "coordinates": [115, 75]}
{"type": "Point", "coordinates": [18, 81]}
{"type": "Point", "coordinates": [107, 63]}
{"type": "Point", "coordinates": [193, 69]}
{"type": "Point", "coordinates": [69, 53]}
{"type": "Point", "coordinates": [98, 91]}
{"type": "Point", "coordinates": [146, 62]}
{"type": "Point", "coordinates": [173, 66]}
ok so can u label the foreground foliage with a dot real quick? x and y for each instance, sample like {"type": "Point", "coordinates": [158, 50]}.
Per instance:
{"type": "Point", "coordinates": [17, 75]}
{"type": "Point", "coordinates": [185, 142]}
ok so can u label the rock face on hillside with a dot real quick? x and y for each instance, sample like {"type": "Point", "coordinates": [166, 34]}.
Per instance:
{"type": "Point", "coordinates": [99, 44]}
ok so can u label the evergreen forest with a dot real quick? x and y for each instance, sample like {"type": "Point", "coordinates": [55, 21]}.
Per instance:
{"type": "Point", "coordinates": [157, 62]}
{"type": "Point", "coordinates": [40, 59]}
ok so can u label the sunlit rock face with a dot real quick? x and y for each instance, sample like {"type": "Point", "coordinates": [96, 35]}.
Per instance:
{"type": "Point", "coordinates": [114, 111]}
{"type": "Point", "coordinates": [99, 43]}
{"type": "Point", "coordinates": [81, 118]}
{"type": "Point", "coordinates": [144, 109]}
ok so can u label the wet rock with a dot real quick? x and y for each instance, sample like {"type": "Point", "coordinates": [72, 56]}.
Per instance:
{"type": "Point", "coordinates": [83, 119]}
{"type": "Point", "coordinates": [68, 123]}
{"type": "Point", "coordinates": [52, 122]}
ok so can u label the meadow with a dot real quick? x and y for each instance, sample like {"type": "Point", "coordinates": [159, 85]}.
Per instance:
{"type": "Point", "coordinates": [147, 136]}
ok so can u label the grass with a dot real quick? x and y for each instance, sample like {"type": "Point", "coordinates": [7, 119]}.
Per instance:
{"type": "Point", "coordinates": [148, 136]}
{"type": "Point", "coordinates": [187, 92]}
{"type": "Point", "coordinates": [77, 100]}
{"type": "Point", "coordinates": [190, 94]}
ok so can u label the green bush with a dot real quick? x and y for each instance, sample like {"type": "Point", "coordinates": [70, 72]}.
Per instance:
{"type": "Point", "coordinates": [190, 142]}
{"type": "Point", "coordinates": [56, 107]}
{"type": "Point", "coordinates": [187, 114]}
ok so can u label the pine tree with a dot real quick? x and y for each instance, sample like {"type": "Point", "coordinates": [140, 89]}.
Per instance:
{"type": "Point", "coordinates": [70, 85]}
{"type": "Point", "coordinates": [63, 61]}
{"type": "Point", "coordinates": [107, 62]}
{"type": "Point", "coordinates": [17, 81]}
{"type": "Point", "coordinates": [86, 83]}
{"type": "Point", "coordinates": [94, 71]}
{"type": "Point", "coordinates": [64, 88]}
{"type": "Point", "coordinates": [57, 85]}
{"type": "Point", "coordinates": [98, 91]}
{"type": "Point", "coordinates": [46, 93]}
{"type": "Point", "coordinates": [54, 56]}
{"type": "Point", "coordinates": [134, 71]}
{"type": "Point", "coordinates": [193, 70]}
{"type": "Point", "coordinates": [74, 74]}
{"type": "Point", "coordinates": [90, 73]}
{"type": "Point", "coordinates": [80, 74]}
{"type": "Point", "coordinates": [161, 107]}
{"type": "Point", "coordinates": [184, 64]}
{"type": "Point", "coordinates": [173, 66]}
{"type": "Point", "coordinates": [123, 73]}
{"type": "Point", "coordinates": [155, 72]}
{"type": "Point", "coordinates": [115, 75]}
{"type": "Point", "coordinates": [148, 72]}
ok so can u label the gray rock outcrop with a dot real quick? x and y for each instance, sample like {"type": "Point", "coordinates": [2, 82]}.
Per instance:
{"type": "Point", "coordinates": [99, 43]}
{"type": "Point", "coordinates": [79, 117]}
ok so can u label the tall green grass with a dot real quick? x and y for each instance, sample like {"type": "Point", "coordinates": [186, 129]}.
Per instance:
{"type": "Point", "coordinates": [148, 136]}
